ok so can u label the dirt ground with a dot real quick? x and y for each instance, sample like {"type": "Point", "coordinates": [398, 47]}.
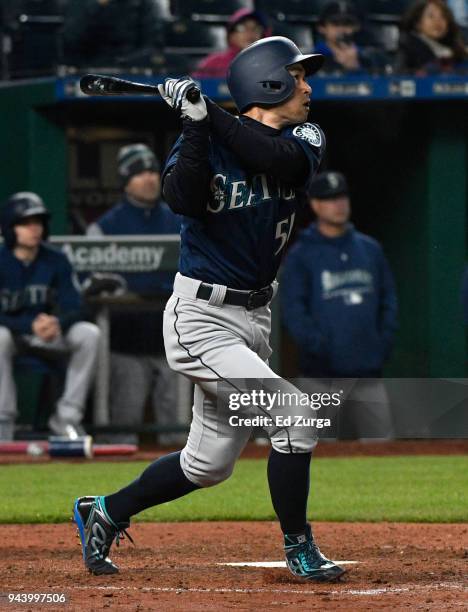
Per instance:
{"type": "Point", "coordinates": [179, 567]}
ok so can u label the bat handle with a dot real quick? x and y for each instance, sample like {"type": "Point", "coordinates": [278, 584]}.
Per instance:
{"type": "Point", "coordinates": [193, 94]}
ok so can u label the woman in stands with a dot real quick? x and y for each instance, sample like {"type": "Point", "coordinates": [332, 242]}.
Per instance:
{"type": "Point", "coordinates": [431, 41]}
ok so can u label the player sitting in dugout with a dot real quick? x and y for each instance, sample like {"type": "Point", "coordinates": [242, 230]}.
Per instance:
{"type": "Point", "coordinates": [41, 315]}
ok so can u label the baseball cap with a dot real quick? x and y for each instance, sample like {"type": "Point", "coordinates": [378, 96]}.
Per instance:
{"type": "Point", "coordinates": [243, 14]}
{"type": "Point", "coordinates": [134, 159]}
{"type": "Point", "coordinates": [341, 12]}
{"type": "Point", "coordinates": [328, 185]}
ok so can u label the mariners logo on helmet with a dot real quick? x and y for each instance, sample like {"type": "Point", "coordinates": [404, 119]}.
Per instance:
{"type": "Point", "coordinates": [309, 133]}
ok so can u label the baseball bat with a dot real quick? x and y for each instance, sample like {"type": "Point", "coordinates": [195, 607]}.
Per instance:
{"type": "Point", "coordinates": [100, 85]}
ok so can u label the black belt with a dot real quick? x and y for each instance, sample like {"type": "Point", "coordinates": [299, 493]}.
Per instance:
{"type": "Point", "coordinates": [248, 299]}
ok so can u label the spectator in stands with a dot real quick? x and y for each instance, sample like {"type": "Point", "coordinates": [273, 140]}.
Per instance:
{"type": "Point", "coordinates": [138, 364]}
{"type": "Point", "coordinates": [111, 32]}
{"type": "Point", "coordinates": [338, 27]}
{"type": "Point", "coordinates": [41, 314]}
{"type": "Point", "coordinates": [244, 27]}
{"type": "Point", "coordinates": [431, 41]}
{"type": "Point", "coordinates": [339, 302]}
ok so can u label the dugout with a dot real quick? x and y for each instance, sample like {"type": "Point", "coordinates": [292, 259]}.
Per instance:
{"type": "Point", "coordinates": [401, 142]}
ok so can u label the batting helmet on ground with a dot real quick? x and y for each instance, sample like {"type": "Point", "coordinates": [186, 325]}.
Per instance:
{"type": "Point", "coordinates": [259, 75]}
{"type": "Point", "coordinates": [18, 207]}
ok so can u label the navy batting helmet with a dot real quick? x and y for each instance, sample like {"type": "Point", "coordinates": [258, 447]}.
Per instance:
{"type": "Point", "coordinates": [20, 206]}
{"type": "Point", "coordinates": [259, 75]}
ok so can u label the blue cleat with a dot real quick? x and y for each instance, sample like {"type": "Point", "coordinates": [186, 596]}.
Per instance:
{"type": "Point", "coordinates": [304, 559]}
{"type": "Point", "coordinates": [97, 532]}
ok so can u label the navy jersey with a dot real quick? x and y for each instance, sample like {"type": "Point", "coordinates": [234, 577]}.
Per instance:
{"type": "Point", "coordinates": [48, 284]}
{"type": "Point", "coordinates": [249, 218]}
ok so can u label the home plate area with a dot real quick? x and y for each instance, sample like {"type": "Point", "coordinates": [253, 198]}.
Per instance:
{"type": "Point", "coordinates": [214, 566]}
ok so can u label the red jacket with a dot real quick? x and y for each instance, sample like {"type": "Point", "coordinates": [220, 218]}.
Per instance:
{"type": "Point", "coordinates": [216, 64]}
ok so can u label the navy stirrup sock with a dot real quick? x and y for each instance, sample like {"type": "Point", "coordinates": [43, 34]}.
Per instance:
{"type": "Point", "coordinates": [288, 477]}
{"type": "Point", "coordinates": [162, 481]}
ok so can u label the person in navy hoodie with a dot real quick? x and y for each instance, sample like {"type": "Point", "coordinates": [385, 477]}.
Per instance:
{"type": "Point", "coordinates": [339, 305]}
{"type": "Point", "coordinates": [41, 314]}
{"type": "Point", "coordinates": [138, 365]}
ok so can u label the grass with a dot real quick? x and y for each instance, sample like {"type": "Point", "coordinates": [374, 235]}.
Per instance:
{"type": "Point", "coordinates": [422, 488]}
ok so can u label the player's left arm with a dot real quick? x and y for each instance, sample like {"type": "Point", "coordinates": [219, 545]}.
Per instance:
{"type": "Point", "coordinates": [282, 156]}
{"type": "Point", "coordinates": [388, 304]}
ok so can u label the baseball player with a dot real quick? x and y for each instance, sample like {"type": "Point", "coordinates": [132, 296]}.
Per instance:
{"type": "Point", "coordinates": [236, 182]}
{"type": "Point", "coordinates": [41, 311]}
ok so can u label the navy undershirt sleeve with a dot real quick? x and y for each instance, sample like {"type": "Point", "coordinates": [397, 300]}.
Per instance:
{"type": "Point", "coordinates": [260, 148]}
{"type": "Point", "coordinates": [186, 185]}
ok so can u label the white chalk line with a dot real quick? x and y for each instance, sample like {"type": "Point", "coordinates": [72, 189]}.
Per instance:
{"type": "Point", "coordinates": [225, 590]}
{"type": "Point", "coordinates": [279, 564]}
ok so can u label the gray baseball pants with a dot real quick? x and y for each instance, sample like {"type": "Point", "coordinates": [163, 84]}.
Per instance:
{"type": "Point", "coordinates": [209, 341]}
{"type": "Point", "coordinates": [82, 338]}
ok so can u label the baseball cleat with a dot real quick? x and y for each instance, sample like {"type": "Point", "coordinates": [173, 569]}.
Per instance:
{"type": "Point", "coordinates": [304, 559]}
{"type": "Point", "coordinates": [62, 428]}
{"type": "Point", "coordinates": [97, 531]}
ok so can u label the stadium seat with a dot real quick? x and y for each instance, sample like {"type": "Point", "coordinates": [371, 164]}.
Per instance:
{"type": "Point", "coordinates": [301, 34]}
{"type": "Point", "coordinates": [217, 11]}
{"type": "Point", "coordinates": [164, 8]}
{"type": "Point", "coordinates": [386, 36]}
{"type": "Point", "coordinates": [33, 30]}
{"type": "Point", "coordinates": [386, 11]}
{"type": "Point", "coordinates": [38, 8]}
{"type": "Point", "coordinates": [184, 37]}
{"type": "Point", "coordinates": [290, 10]}
{"type": "Point", "coordinates": [178, 65]}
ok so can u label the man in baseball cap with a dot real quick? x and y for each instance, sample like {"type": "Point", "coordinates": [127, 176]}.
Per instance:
{"type": "Point", "coordinates": [244, 27]}
{"type": "Point", "coordinates": [138, 365]}
{"type": "Point", "coordinates": [340, 305]}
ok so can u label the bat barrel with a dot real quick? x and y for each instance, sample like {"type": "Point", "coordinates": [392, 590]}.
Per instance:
{"type": "Point", "coordinates": [99, 85]}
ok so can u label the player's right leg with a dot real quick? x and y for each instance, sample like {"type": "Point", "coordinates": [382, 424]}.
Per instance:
{"type": "Point", "coordinates": [97, 532]}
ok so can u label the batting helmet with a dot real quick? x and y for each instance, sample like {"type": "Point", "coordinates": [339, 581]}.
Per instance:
{"type": "Point", "coordinates": [259, 75]}
{"type": "Point", "coordinates": [20, 206]}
